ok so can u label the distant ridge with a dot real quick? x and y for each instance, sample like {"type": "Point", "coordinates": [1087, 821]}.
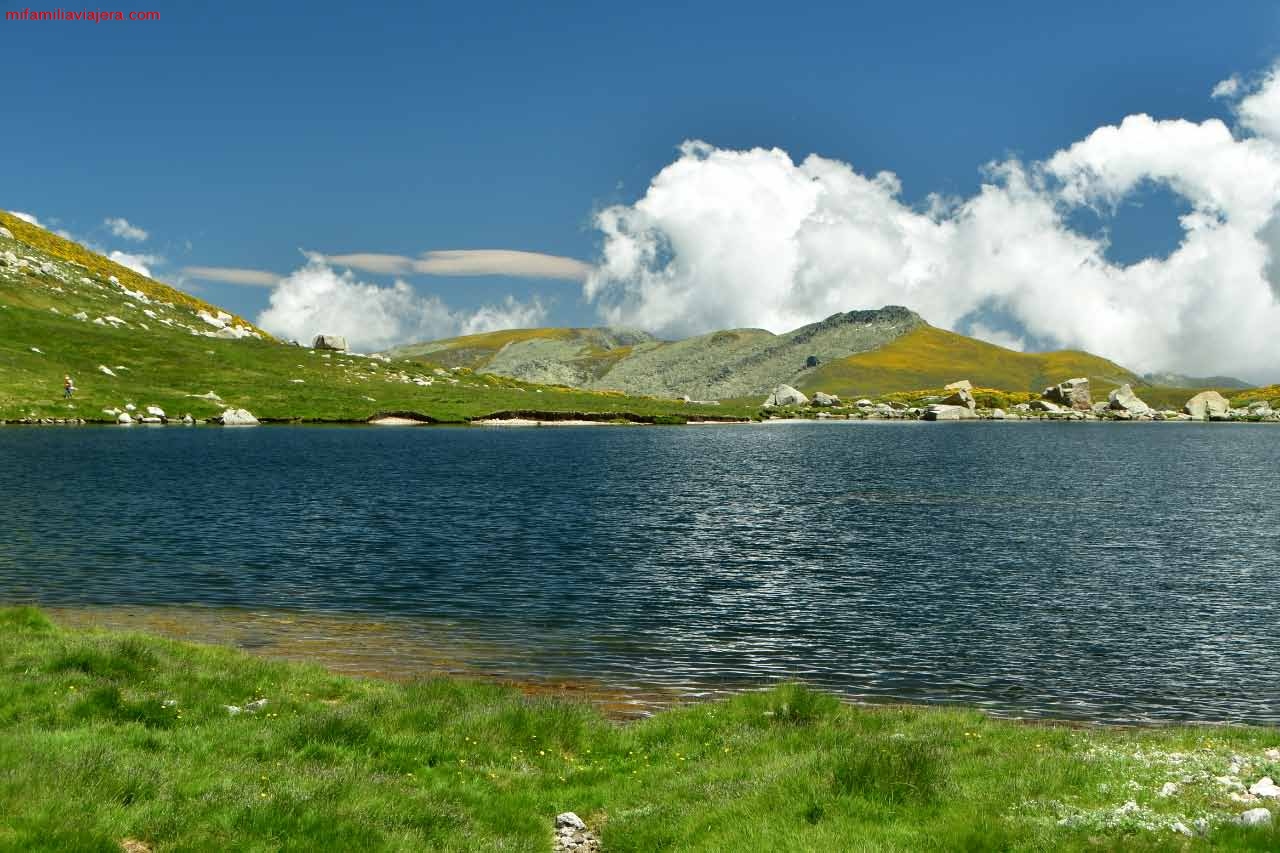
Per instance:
{"type": "Point", "coordinates": [854, 353]}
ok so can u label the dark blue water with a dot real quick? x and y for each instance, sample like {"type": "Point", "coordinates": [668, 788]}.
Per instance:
{"type": "Point", "coordinates": [1107, 572]}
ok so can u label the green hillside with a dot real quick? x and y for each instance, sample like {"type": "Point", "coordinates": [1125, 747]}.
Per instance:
{"type": "Point", "coordinates": [928, 357]}
{"type": "Point", "coordinates": [126, 339]}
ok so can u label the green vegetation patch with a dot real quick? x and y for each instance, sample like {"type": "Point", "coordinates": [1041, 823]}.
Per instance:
{"type": "Point", "coordinates": [106, 737]}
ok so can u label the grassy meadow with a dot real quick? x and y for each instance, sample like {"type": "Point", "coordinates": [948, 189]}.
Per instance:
{"type": "Point", "coordinates": [122, 739]}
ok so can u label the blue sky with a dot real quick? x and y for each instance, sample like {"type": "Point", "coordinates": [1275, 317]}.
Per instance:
{"type": "Point", "coordinates": [238, 133]}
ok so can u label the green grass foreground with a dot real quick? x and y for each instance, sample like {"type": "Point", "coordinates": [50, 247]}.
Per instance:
{"type": "Point", "coordinates": [91, 756]}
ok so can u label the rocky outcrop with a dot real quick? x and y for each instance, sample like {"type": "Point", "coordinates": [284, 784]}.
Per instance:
{"type": "Point", "coordinates": [1043, 406]}
{"type": "Point", "coordinates": [785, 395]}
{"type": "Point", "coordinates": [1074, 394]}
{"type": "Point", "coordinates": [962, 385]}
{"type": "Point", "coordinates": [237, 417]}
{"type": "Point", "coordinates": [1208, 406]}
{"type": "Point", "coordinates": [1124, 400]}
{"type": "Point", "coordinates": [823, 399]}
{"type": "Point", "coordinates": [961, 397]}
{"type": "Point", "coordinates": [330, 342]}
{"type": "Point", "coordinates": [6, 233]}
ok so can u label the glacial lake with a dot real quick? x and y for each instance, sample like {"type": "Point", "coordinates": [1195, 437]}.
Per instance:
{"type": "Point", "coordinates": [1105, 572]}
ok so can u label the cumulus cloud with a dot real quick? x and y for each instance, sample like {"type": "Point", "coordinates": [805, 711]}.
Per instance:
{"type": "Point", "coordinates": [141, 264]}
{"type": "Point", "coordinates": [725, 238]}
{"type": "Point", "coordinates": [28, 218]}
{"type": "Point", "coordinates": [468, 262]}
{"type": "Point", "coordinates": [232, 275]}
{"type": "Point", "coordinates": [122, 228]}
{"type": "Point", "coordinates": [317, 299]}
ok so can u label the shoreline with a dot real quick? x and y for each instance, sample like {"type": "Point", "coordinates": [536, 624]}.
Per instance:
{"type": "Point", "coordinates": [402, 649]}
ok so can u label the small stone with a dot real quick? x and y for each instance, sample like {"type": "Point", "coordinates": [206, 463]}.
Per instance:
{"type": "Point", "coordinates": [255, 705]}
{"type": "Point", "coordinates": [232, 710]}
{"type": "Point", "coordinates": [569, 820]}
{"type": "Point", "coordinates": [1168, 789]}
{"type": "Point", "coordinates": [1183, 829]}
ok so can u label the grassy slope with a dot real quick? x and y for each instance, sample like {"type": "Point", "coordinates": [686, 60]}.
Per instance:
{"type": "Point", "coordinates": [929, 357]}
{"type": "Point", "coordinates": [89, 756]}
{"type": "Point", "coordinates": [166, 364]}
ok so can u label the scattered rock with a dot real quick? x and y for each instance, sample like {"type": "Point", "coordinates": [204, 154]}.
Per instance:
{"type": "Point", "coordinates": [188, 420]}
{"type": "Point", "coordinates": [1074, 394]}
{"type": "Point", "coordinates": [255, 706]}
{"type": "Point", "coordinates": [155, 411]}
{"type": "Point", "coordinates": [1168, 789]}
{"type": "Point", "coordinates": [785, 395]}
{"type": "Point", "coordinates": [1254, 817]}
{"type": "Point", "coordinates": [1265, 787]}
{"type": "Point", "coordinates": [1124, 400]}
{"type": "Point", "coordinates": [233, 710]}
{"type": "Point", "coordinates": [1207, 406]}
{"type": "Point", "coordinates": [944, 412]}
{"type": "Point", "coordinates": [237, 417]}
{"type": "Point", "coordinates": [1182, 829]}
{"type": "Point", "coordinates": [124, 418]}
{"type": "Point", "coordinates": [6, 233]}
{"type": "Point", "coordinates": [106, 370]}
{"type": "Point", "coordinates": [331, 342]}
{"type": "Point", "coordinates": [572, 835]}
{"type": "Point", "coordinates": [998, 415]}
{"type": "Point", "coordinates": [1043, 406]}
{"type": "Point", "coordinates": [823, 399]}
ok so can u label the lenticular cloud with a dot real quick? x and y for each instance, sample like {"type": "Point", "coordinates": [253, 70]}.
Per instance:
{"type": "Point", "coordinates": [728, 238]}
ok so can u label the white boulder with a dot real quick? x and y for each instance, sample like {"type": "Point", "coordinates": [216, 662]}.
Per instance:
{"type": "Point", "coordinates": [333, 342]}
{"type": "Point", "coordinates": [155, 411]}
{"type": "Point", "coordinates": [6, 233]}
{"type": "Point", "coordinates": [106, 370]}
{"type": "Point", "coordinates": [124, 418]}
{"type": "Point", "coordinates": [1265, 787]}
{"type": "Point", "coordinates": [1255, 817]}
{"type": "Point", "coordinates": [785, 395]}
{"type": "Point", "coordinates": [1123, 399]}
{"type": "Point", "coordinates": [237, 417]}
{"type": "Point", "coordinates": [1207, 406]}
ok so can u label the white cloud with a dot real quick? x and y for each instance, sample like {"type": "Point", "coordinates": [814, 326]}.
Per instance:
{"type": "Point", "coordinates": [1228, 88]}
{"type": "Point", "coordinates": [727, 238]}
{"type": "Point", "coordinates": [141, 264]}
{"type": "Point", "coordinates": [232, 275]}
{"type": "Point", "coordinates": [122, 228]}
{"type": "Point", "coordinates": [467, 262]}
{"type": "Point", "coordinates": [316, 299]}
{"type": "Point", "coordinates": [28, 218]}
